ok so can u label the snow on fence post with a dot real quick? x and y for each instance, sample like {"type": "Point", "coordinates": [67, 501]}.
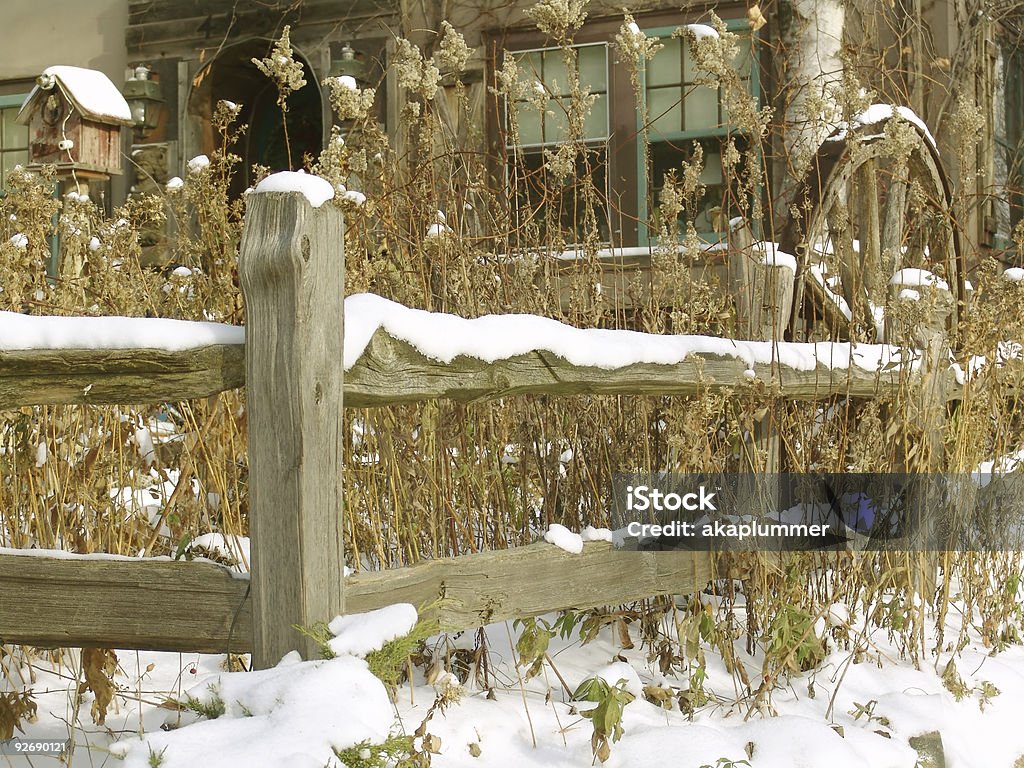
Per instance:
{"type": "Point", "coordinates": [762, 285]}
{"type": "Point", "coordinates": [293, 275]}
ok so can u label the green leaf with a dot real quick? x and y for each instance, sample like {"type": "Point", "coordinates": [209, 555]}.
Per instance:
{"type": "Point", "coordinates": [183, 547]}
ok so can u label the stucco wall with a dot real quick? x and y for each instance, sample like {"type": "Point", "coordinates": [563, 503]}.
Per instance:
{"type": "Point", "coordinates": [84, 34]}
{"type": "Point", "coordinates": [40, 33]}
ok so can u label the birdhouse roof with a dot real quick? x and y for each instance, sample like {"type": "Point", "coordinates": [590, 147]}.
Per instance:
{"type": "Point", "coordinates": [91, 92]}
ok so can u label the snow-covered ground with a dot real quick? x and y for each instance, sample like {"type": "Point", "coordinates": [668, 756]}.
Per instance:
{"type": "Point", "coordinates": [860, 707]}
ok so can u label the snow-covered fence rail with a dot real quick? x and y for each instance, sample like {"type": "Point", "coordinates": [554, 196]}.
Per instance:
{"type": "Point", "coordinates": [298, 381]}
{"type": "Point", "coordinates": [392, 370]}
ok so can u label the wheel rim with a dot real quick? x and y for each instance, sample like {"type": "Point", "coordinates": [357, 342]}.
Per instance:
{"type": "Point", "coordinates": [875, 200]}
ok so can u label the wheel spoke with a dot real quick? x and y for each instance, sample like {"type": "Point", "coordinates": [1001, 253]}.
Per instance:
{"type": "Point", "coordinates": [842, 258]}
{"type": "Point", "coordinates": [894, 229]}
{"type": "Point", "coordinates": [862, 265]}
{"type": "Point", "coordinates": [869, 229]}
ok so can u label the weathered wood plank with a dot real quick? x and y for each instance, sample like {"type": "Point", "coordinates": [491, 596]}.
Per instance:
{"type": "Point", "coordinates": [189, 606]}
{"type": "Point", "coordinates": [154, 11]}
{"type": "Point", "coordinates": [392, 371]}
{"type": "Point", "coordinates": [183, 28]}
{"type": "Point", "coordinates": [292, 266]}
{"type": "Point", "coordinates": [894, 228]}
{"type": "Point", "coordinates": [629, 278]}
{"type": "Point", "coordinates": [529, 581]}
{"type": "Point", "coordinates": [117, 376]}
{"type": "Point", "coordinates": [871, 285]}
{"type": "Point", "coordinates": [123, 603]}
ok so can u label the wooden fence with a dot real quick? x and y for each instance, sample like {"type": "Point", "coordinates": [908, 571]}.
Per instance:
{"type": "Point", "coordinates": [291, 267]}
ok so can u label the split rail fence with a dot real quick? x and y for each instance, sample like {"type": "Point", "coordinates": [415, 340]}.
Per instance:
{"type": "Point", "coordinates": [292, 270]}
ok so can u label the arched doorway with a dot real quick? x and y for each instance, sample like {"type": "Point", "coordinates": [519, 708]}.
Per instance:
{"type": "Point", "coordinates": [233, 77]}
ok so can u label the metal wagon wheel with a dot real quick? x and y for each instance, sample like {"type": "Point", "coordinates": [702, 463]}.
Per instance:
{"type": "Point", "coordinates": [876, 200]}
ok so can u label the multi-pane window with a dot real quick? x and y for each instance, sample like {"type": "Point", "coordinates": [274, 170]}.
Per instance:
{"type": "Point", "coordinates": [616, 184]}
{"type": "Point", "coordinates": [544, 71]}
{"type": "Point", "coordinates": [679, 98]}
{"type": "Point", "coordinates": [13, 137]}
{"type": "Point", "coordinates": [542, 118]}
{"type": "Point", "coordinates": [682, 110]}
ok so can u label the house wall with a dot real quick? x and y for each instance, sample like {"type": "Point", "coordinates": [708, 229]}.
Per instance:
{"type": "Point", "coordinates": [183, 37]}
{"type": "Point", "coordinates": [179, 38]}
{"type": "Point", "coordinates": [199, 51]}
{"type": "Point", "coordinates": [82, 34]}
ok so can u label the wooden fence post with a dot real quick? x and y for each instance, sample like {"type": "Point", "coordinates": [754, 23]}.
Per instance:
{"type": "Point", "coordinates": [923, 449]}
{"type": "Point", "coordinates": [764, 298]}
{"type": "Point", "coordinates": [763, 289]}
{"type": "Point", "coordinates": [292, 269]}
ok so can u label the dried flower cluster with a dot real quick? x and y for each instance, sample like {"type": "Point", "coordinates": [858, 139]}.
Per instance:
{"type": "Point", "coordinates": [281, 67]}
{"type": "Point", "coordinates": [348, 100]}
{"type": "Point", "coordinates": [453, 54]}
{"type": "Point", "coordinates": [558, 18]}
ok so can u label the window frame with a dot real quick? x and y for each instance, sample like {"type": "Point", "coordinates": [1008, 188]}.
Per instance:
{"type": "Point", "coordinates": [515, 153]}
{"type": "Point", "coordinates": [607, 94]}
{"type": "Point", "coordinates": [624, 171]}
{"type": "Point", "coordinates": [644, 235]}
{"type": "Point", "coordinates": [12, 101]}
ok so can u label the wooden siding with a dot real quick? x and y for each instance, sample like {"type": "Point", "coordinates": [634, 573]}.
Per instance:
{"type": "Point", "coordinates": [184, 27]}
{"type": "Point", "coordinates": [97, 145]}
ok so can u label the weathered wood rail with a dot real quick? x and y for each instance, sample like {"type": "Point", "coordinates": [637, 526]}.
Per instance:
{"type": "Point", "coordinates": [159, 604]}
{"type": "Point", "coordinates": [291, 268]}
{"type": "Point", "coordinates": [116, 376]}
{"type": "Point", "coordinates": [393, 371]}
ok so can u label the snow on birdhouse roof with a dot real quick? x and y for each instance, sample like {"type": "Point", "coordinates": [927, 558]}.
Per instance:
{"type": "Point", "coordinates": [90, 91]}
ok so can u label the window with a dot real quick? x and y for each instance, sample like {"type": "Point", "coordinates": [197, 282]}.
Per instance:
{"type": "Point", "coordinates": [542, 119]}
{"type": "Point", "coordinates": [683, 110]}
{"type": "Point", "coordinates": [623, 190]}
{"type": "Point", "coordinates": [545, 70]}
{"type": "Point", "coordinates": [13, 137]}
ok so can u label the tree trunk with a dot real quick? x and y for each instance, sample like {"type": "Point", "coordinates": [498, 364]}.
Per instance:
{"type": "Point", "coordinates": [812, 74]}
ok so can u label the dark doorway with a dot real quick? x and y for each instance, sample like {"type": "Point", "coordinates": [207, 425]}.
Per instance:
{"type": "Point", "coordinates": [233, 77]}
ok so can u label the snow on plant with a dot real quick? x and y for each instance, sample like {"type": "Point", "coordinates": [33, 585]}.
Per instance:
{"type": "Point", "coordinates": [634, 49]}
{"type": "Point", "coordinates": [351, 103]}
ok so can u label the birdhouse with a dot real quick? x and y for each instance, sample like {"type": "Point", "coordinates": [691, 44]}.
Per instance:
{"type": "Point", "coordinates": [74, 117]}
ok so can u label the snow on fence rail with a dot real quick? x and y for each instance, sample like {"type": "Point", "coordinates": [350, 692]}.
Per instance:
{"type": "Point", "coordinates": [396, 362]}
{"type": "Point", "coordinates": [292, 270]}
